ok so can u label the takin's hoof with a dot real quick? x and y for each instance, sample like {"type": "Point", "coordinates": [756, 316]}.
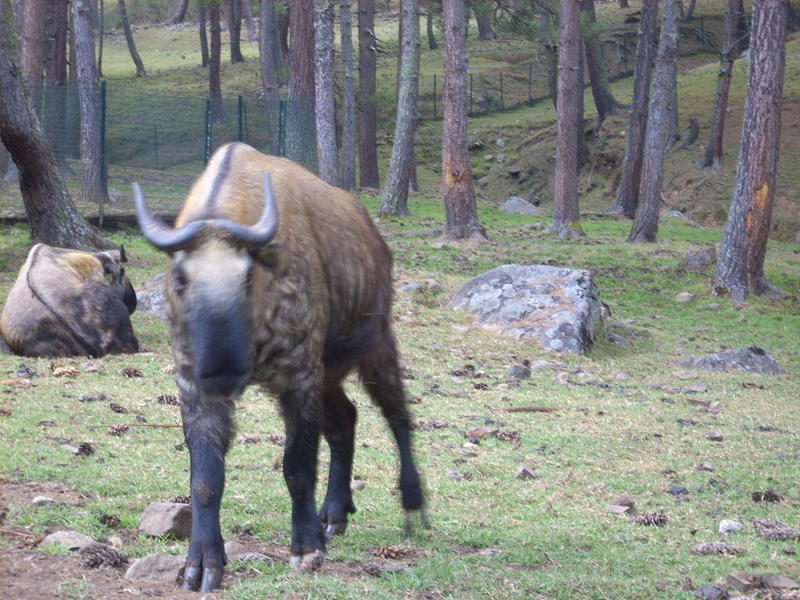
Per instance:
{"type": "Point", "coordinates": [410, 518]}
{"type": "Point", "coordinates": [308, 562]}
{"type": "Point", "coordinates": [333, 529]}
{"type": "Point", "coordinates": [204, 580]}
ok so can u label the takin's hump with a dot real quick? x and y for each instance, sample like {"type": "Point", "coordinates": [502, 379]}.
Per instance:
{"type": "Point", "coordinates": [560, 308]}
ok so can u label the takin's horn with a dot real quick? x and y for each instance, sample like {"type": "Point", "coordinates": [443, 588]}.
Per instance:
{"type": "Point", "coordinates": [158, 233]}
{"type": "Point", "coordinates": [260, 233]}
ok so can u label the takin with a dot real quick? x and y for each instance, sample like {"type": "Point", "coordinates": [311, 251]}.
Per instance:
{"type": "Point", "coordinates": [292, 304]}
{"type": "Point", "coordinates": [70, 303]}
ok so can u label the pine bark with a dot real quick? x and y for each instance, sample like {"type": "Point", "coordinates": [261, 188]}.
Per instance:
{"type": "Point", "coordinates": [367, 109]}
{"type": "Point", "coordinates": [604, 99]}
{"type": "Point", "coordinates": [566, 218]}
{"type": "Point", "coordinates": [347, 166]}
{"type": "Point", "coordinates": [325, 112]}
{"type": "Point", "coordinates": [202, 23]}
{"type": "Point", "coordinates": [247, 12]}
{"type": "Point", "coordinates": [394, 199]}
{"type": "Point", "coordinates": [432, 44]}
{"type": "Point", "coordinates": [93, 181]}
{"type": "Point", "coordinates": [740, 269]}
{"type": "Point", "coordinates": [645, 226]}
{"type": "Point", "coordinates": [631, 173]}
{"type": "Point", "coordinates": [32, 46]}
{"type": "Point", "coordinates": [235, 30]}
{"type": "Point", "coordinates": [215, 56]}
{"type": "Point", "coordinates": [126, 26]}
{"type": "Point", "coordinates": [689, 15]}
{"type": "Point", "coordinates": [484, 13]}
{"type": "Point", "coordinates": [300, 123]}
{"type": "Point", "coordinates": [459, 188]}
{"type": "Point", "coordinates": [269, 48]}
{"type": "Point", "coordinates": [180, 13]}
{"type": "Point", "coordinates": [714, 148]}
{"type": "Point", "coordinates": [52, 216]}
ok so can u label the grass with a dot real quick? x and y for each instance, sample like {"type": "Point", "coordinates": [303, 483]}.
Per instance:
{"type": "Point", "coordinates": [616, 431]}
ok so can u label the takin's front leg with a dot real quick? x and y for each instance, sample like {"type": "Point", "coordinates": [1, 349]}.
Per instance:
{"type": "Point", "coordinates": [207, 427]}
{"type": "Point", "coordinates": [301, 414]}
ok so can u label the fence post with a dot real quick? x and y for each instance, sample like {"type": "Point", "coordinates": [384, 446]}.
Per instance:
{"type": "Point", "coordinates": [240, 122]}
{"type": "Point", "coordinates": [434, 95]}
{"type": "Point", "coordinates": [155, 142]}
{"type": "Point", "coordinates": [502, 98]}
{"type": "Point", "coordinates": [103, 160]}
{"type": "Point", "coordinates": [703, 31]}
{"type": "Point", "coordinates": [209, 133]}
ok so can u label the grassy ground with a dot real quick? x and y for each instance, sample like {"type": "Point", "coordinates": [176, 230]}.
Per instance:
{"type": "Point", "coordinates": [626, 423]}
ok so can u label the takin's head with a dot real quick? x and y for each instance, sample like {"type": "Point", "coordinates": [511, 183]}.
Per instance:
{"type": "Point", "coordinates": [209, 285]}
{"type": "Point", "coordinates": [115, 277]}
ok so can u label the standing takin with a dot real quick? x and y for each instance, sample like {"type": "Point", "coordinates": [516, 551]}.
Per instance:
{"type": "Point", "coordinates": [291, 304]}
{"type": "Point", "coordinates": [70, 303]}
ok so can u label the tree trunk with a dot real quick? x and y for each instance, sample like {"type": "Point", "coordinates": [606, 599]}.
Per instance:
{"type": "Point", "coordinates": [56, 34]}
{"type": "Point", "coordinates": [235, 30]}
{"type": "Point", "coordinates": [93, 183]}
{"type": "Point", "coordinates": [740, 270]}
{"type": "Point", "coordinates": [624, 4]}
{"type": "Point", "coordinates": [215, 56]}
{"type": "Point", "coordinates": [631, 173]}
{"type": "Point", "coordinates": [180, 13]}
{"type": "Point", "coordinates": [394, 199]}
{"type": "Point", "coordinates": [247, 10]}
{"type": "Point", "coordinates": [367, 109]}
{"type": "Point", "coordinates": [713, 154]}
{"type": "Point", "coordinates": [580, 129]}
{"type": "Point", "coordinates": [52, 216]}
{"type": "Point", "coordinates": [300, 124]}
{"type": "Point", "coordinates": [432, 45]}
{"type": "Point", "coordinates": [551, 52]}
{"type": "Point", "coordinates": [484, 13]}
{"type": "Point", "coordinates": [689, 15]}
{"type": "Point", "coordinates": [598, 73]}
{"type": "Point", "coordinates": [742, 35]}
{"type": "Point", "coordinates": [459, 188]}
{"type": "Point", "coordinates": [126, 26]}
{"type": "Point", "coordinates": [202, 21]}
{"type": "Point", "coordinates": [325, 112]}
{"type": "Point", "coordinates": [100, 38]}
{"type": "Point", "coordinates": [32, 47]}
{"type": "Point", "coordinates": [566, 223]}
{"type": "Point", "coordinates": [347, 168]}
{"type": "Point", "coordinates": [269, 47]}
{"type": "Point", "coordinates": [645, 226]}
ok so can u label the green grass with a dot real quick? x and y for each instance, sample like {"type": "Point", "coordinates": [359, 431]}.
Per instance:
{"type": "Point", "coordinates": [493, 536]}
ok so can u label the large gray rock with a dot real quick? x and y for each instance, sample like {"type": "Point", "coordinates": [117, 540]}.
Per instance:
{"type": "Point", "coordinates": [167, 518]}
{"type": "Point", "coordinates": [151, 298]}
{"type": "Point", "coordinates": [752, 358]}
{"type": "Point", "coordinates": [560, 308]}
{"type": "Point", "coordinates": [519, 206]}
{"type": "Point", "coordinates": [155, 568]}
{"type": "Point", "coordinates": [69, 540]}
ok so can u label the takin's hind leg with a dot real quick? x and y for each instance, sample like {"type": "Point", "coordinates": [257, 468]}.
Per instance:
{"type": "Point", "coordinates": [380, 374]}
{"type": "Point", "coordinates": [338, 427]}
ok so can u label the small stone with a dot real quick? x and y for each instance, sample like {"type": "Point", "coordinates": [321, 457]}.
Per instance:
{"type": "Point", "coordinates": [727, 526]}
{"type": "Point", "coordinates": [715, 306]}
{"type": "Point", "coordinates": [618, 509]}
{"type": "Point", "coordinates": [677, 490]}
{"type": "Point", "coordinates": [526, 471]}
{"type": "Point", "coordinates": [69, 540]}
{"type": "Point", "coordinates": [779, 581]}
{"type": "Point", "coordinates": [481, 432]}
{"type": "Point", "coordinates": [155, 568]}
{"type": "Point", "coordinates": [43, 501]}
{"type": "Point", "coordinates": [167, 518]}
{"type": "Point", "coordinates": [357, 485]}
{"type": "Point", "coordinates": [711, 592]}
{"type": "Point", "coordinates": [714, 436]}
{"type": "Point", "coordinates": [519, 372]}
{"type": "Point", "coordinates": [248, 438]}
{"type": "Point", "coordinates": [705, 466]}
{"type": "Point", "coordinates": [789, 550]}
{"type": "Point", "coordinates": [684, 297]}
{"type": "Point", "coordinates": [625, 501]}
{"type": "Point", "coordinates": [548, 365]}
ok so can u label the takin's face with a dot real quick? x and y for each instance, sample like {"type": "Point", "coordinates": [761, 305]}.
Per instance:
{"type": "Point", "coordinates": [117, 281]}
{"type": "Point", "coordinates": [209, 288]}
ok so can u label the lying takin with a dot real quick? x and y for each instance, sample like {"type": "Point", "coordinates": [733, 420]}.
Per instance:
{"type": "Point", "coordinates": [70, 303]}
{"type": "Point", "coordinates": [279, 279]}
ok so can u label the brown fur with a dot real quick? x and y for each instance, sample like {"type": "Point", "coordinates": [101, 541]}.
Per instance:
{"type": "Point", "coordinates": [67, 303]}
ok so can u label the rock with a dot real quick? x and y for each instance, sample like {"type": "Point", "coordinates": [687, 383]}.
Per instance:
{"type": "Point", "coordinates": [625, 501]}
{"type": "Point", "coordinates": [519, 206]}
{"type": "Point", "coordinates": [155, 568]}
{"type": "Point", "coordinates": [677, 490]}
{"type": "Point", "coordinates": [698, 260]}
{"type": "Point", "coordinates": [711, 592]}
{"type": "Point", "coordinates": [482, 432]}
{"type": "Point", "coordinates": [557, 307]}
{"type": "Point", "coordinates": [751, 358]}
{"type": "Point", "coordinates": [475, 144]}
{"type": "Point", "coordinates": [69, 540]}
{"type": "Point", "coordinates": [714, 436]}
{"type": "Point", "coordinates": [167, 518]}
{"type": "Point", "coordinates": [519, 372]}
{"type": "Point", "coordinates": [705, 466]}
{"type": "Point", "coordinates": [548, 365]}
{"type": "Point", "coordinates": [684, 297]}
{"type": "Point", "coordinates": [727, 526]}
{"type": "Point", "coordinates": [501, 142]}
{"type": "Point", "coordinates": [357, 485]}
{"type": "Point", "coordinates": [43, 501]}
{"type": "Point", "coordinates": [618, 509]}
{"type": "Point", "coordinates": [151, 298]}
{"type": "Point", "coordinates": [234, 549]}
{"type": "Point", "coordinates": [526, 471]}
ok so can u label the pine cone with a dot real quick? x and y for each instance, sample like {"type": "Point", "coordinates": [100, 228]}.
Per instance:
{"type": "Point", "coordinates": [109, 521]}
{"type": "Point", "coordinates": [118, 430]}
{"type": "Point", "coordinates": [723, 548]}
{"type": "Point", "coordinates": [168, 399]}
{"type": "Point", "coordinates": [656, 519]}
{"type": "Point", "coordinates": [510, 436]}
{"type": "Point", "coordinates": [99, 555]}
{"type": "Point", "coordinates": [391, 552]}
{"type": "Point", "coordinates": [775, 530]}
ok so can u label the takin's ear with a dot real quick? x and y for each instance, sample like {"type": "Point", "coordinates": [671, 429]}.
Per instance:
{"type": "Point", "coordinates": [118, 255]}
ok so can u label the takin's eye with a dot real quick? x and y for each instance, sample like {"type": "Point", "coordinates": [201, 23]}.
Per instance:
{"type": "Point", "coordinates": [248, 280]}
{"type": "Point", "coordinates": [180, 280]}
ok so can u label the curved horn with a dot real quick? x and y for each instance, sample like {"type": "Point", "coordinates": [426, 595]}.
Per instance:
{"type": "Point", "coordinates": [158, 233]}
{"type": "Point", "coordinates": [264, 230]}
